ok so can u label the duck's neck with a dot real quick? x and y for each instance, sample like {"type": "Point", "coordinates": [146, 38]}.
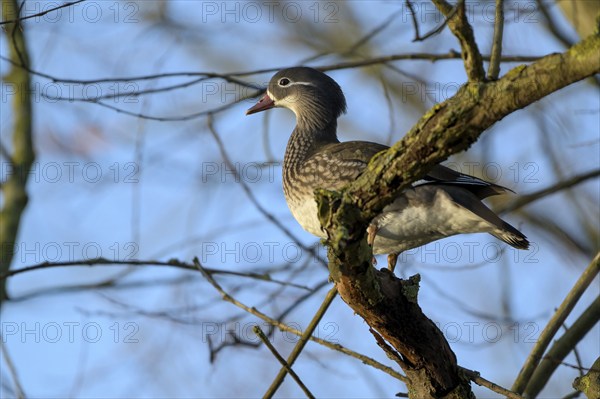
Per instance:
{"type": "Point", "coordinates": [305, 141]}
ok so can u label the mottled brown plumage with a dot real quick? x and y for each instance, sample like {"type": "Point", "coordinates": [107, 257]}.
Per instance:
{"type": "Point", "coordinates": [443, 204]}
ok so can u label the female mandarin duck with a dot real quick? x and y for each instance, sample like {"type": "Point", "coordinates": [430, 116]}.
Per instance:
{"type": "Point", "coordinates": [443, 204]}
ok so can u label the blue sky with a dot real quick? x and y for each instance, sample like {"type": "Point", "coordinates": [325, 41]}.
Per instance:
{"type": "Point", "coordinates": [111, 184]}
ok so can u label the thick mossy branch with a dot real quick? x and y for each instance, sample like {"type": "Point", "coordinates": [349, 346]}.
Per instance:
{"type": "Point", "coordinates": [452, 126]}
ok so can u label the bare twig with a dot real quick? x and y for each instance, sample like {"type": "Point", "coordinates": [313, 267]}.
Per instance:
{"type": "Point", "coordinates": [387, 348]}
{"type": "Point", "coordinates": [173, 118]}
{"type": "Point", "coordinates": [563, 185]}
{"type": "Point", "coordinates": [12, 370]}
{"type": "Point", "coordinates": [434, 31]}
{"type": "Point", "coordinates": [460, 27]}
{"type": "Point", "coordinates": [231, 77]}
{"type": "Point", "coordinates": [284, 327]}
{"type": "Point", "coordinates": [479, 380]}
{"type": "Point", "coordinates": [281, 360]}
{"type": "Point", "coordinates": [562, 347]}
{"type": "Point", "coordinates": [554, 324]}
{"type": "Point", "coordinates": [170, 263]}
{"type": "Point", "coordinates": [374, 32]}
{"type": "Point", "coordinates": [302, 342]}
{"type": "Point", "coordinates": [494, 67]}
{"type": "Point", "coordinates": [41, 13]}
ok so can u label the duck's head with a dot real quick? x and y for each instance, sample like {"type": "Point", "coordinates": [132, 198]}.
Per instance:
{"type": "Point", "coordinates": [315, 98]}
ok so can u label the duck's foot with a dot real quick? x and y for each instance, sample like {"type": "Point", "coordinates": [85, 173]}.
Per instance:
{"type": "Point", "coordinates": [371, 233]}
{"type": "Point", "coordinates": [392, 260]}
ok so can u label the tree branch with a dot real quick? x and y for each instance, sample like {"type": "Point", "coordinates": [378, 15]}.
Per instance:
{"type": "Point", "coordinates": [494, 67]}
{"type": "Point", "coordinates": [562, 347]}
{"type": "Point", "coordinates": [284, 327]}
{"type": "Point", "coordinates": [525, 200]}
{"type": "Point", "coordinates": [386, 303]}
{"type": "Point", "coordinates": [310, 329]}
{"type": "Point", "coordinates": [460, 27]}
{"type": "Point", "coordinates": [554, 324]}
{"type": "Point", "coordinates": [479, 380]}
{"type": "Point", "coordinates": [281, 360]}
{"type": "Point", "coordinates": [14, 188]}
{"type": "Point", "coordinates": [40, 13]}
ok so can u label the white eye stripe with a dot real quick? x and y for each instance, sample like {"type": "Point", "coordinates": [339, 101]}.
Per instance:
{"type": "Point", "coordinates": [291, 83]}
{"type": "Point", "coordinates": [301, 83]}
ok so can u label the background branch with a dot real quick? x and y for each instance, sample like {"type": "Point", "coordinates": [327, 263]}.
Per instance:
{"type": "Point", "coordinates": [534, 358]}
{"type": "Point", "coordinates": [494, 67]}
{"type": "Point", "coordinates": [14, 187]}
{"type": "Point", "coordinates": [562, 347]}
{"type": "Point", "coordinates": [460, 27]}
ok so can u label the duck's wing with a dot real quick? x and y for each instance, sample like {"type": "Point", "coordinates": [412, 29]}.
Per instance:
{"type": "Point", "coordinates": [440, 174]}
{"type": "Point", "coordinates": [342, 163]}
{"type": "Point", "coordinates": [338, 164]}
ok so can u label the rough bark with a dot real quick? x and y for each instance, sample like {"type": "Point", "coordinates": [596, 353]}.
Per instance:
{"type": "Point", "coordinates": [389, 304]}
{"type": "Point", "coordinates": [589, 384]}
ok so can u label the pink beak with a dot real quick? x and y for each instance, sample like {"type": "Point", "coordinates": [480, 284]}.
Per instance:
{"type": "Point", "coordinates": [263, 104]}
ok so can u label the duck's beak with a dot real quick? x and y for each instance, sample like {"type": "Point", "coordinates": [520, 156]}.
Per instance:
{"type": "Point", "coordinates": [263, 104]}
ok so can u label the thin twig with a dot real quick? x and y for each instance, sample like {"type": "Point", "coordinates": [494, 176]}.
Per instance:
{"type": "Point", "coordinates": [563, 185]}
{"type": "Point", "coordinates": [181, 118]}
{"type": "Point", "coordinates": [562, 347]}
{"type": "Point", "coordinates": [19, 19]}
{"type": "Point", "coordinates": [554, 324]}
{"type": "Point", "coordinates": [479, 380]}
{"type": "Point", "coordinates": [435, 30]}
{"type": "Point", "coordinates": [12, 370]}
{"type": "Point", "coordinates": [494, 67]}
{"type": "Point", "coordinates": [230, 77]}
{"type": "Point", "coordinates": [284, 327]}
{"type": "Point", "coordinates": [391, 353]}
{"type": "Point", "coordinates": [374, 32]}
{"type": "Point", "coordinates": [302, 342]}
{"type": "Point", "coordinates": [281, 360]}
{"type": "Point", "coordinates": [413, 16]}
{"type": "Point", "coordinates": [170, 263]}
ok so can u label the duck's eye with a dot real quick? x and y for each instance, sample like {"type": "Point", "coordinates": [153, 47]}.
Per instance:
{"type": "Point", "coordinates": [284, 82]}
